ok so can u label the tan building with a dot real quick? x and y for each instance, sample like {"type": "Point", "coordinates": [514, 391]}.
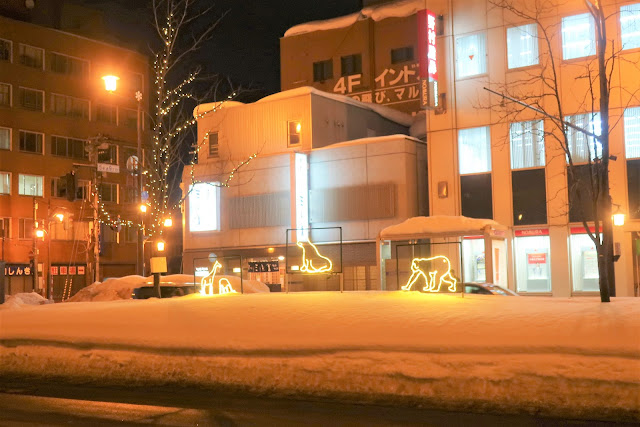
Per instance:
{"type": "Point", "coordinates": [482, 163]}
{"type": "Point", "coordinates": [52, 102]}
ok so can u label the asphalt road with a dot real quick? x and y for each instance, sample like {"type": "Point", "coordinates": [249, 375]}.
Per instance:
{"type": "Point", "coordinates": [24, 403]}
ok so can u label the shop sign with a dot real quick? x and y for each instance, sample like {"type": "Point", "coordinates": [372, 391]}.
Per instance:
{"type": "Point", "coordinates": [54, 270]}
{"type": "Point", "coordinates": [73, 270]}
{"type": "Point", "coordinates": [532, 232]}
{"type": "Point", "coordinates": [107, 167]}
{"type": "Point", "coordinates": [428, 58]}
{"type": "Point", "coordinates": [264, 266]}
{"type": "Point", "coordinates": [17, 270]}
{"type": "Point", "coordinates": [81, 269]}
{"type": "Point", "coordinates": [536, 258]}
{"type": "Point", "coordinates": [582, 230]}
{"type": "Point", "coordinates": [301, 166]}
{"type": "Point", "coordinates": [63, 270]}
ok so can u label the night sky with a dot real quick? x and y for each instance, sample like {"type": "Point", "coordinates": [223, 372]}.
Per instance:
{"type": "Point", "coordinates": [245, 46]}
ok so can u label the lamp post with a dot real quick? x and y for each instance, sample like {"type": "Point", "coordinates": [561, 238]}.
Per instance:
{"type": "Point", "coordinates": [110, 83]}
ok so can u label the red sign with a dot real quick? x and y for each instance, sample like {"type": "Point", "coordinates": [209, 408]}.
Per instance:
{"type": "Point", "coordinates": [427, 44]}
{"type": "Point", "coordinates": [54, 270]}
{"type": "Point", "coordinates": [582, 230]}
{"type": "Point", "coordinates": [63, 270]}
{"type": "Point", "coordinates": [537, 258]}
{"type": "Point", "coordinates": [72, 270]}
{"type": "Point", "coordinates": [81, 269]}
{"type": "Point", "coordinates": [532, 232]}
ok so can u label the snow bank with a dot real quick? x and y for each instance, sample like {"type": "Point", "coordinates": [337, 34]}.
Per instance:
{"type": "Point", "coordinates": [24, 299]}
{"type": "Point", "coordinates": [398, 9]}
{"type": "Point", "coordinates": [122, 288]}
{"type": "Point", "coordinates": [437, 224]}
{"type": "Point", "coordinates": [545, 356]}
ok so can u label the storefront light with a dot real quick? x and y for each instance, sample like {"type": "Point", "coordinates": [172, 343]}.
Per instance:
{"type": "Point", "coordinates": [618, 219]}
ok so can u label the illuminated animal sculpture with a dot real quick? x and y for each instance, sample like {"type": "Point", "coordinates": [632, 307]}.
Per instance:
{"type": "Point", "coordinates": [440, 274]}
{"type": "Point", "coordinates": [224, 287]}
{"type": "Point", "coordinates": [206, 284]}
{"type": "Point", "coordinates": [307, 264]}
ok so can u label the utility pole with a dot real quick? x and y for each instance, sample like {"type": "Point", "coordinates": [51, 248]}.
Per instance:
{"type": "Point", "coordinates": [94, 144]}
{"type": "Point", "coordinates": [140, 256]}
{"type": "Point", "coordinates": [35, 244]}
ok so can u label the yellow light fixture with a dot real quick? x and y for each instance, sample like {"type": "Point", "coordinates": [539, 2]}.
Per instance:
{"type": "Point", "coordinates": [110, 83]}
{"type": "Point", "coordinates": [60, 217]}
{"type": "Point", "coordinates": [143, 208]}
{"type": "Point", "coordinates": [168, 222]}
{"type": "Point", "coordinates": [281, 258]}
{"type": "Point", "coordinates": [298, 127]}
{"type": "Point", "coordinates": [271, 250]}
{"type": "Point", "coordinates": [160, 246]}
{"type": "Point", "coordinates": [237, 269]}
{"type": "Point", "coordinates": [40, 233]}
{"type": "Point", "coordinates": [618, 219]}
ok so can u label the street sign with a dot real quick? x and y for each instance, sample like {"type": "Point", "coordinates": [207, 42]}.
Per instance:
{"type": "Point", "coordinates": [106, 167]}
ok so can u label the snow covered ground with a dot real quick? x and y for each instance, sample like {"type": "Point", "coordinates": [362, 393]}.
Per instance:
{"type": "Point", "coordinates": [558, 357]}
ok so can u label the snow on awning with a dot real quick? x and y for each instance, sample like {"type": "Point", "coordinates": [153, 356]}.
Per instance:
{"type": "Point", "coordinates": [422, 227]}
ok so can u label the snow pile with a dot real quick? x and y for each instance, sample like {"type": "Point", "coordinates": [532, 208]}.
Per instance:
{"type": "Point", "coordinates": [547, 356]}
{"type": "Point", "coordinates": [418, 128]}
{"type": "Point", "coordinates": [24, 299]}
{"type": "Point", "coordinates": [370, 140]}
{"type": "Point", "coordinates": [399, 9]}
{"type": "Point", "coordinates": [122, 288]}
{"type": "Point", "coordinates": [437, 224]}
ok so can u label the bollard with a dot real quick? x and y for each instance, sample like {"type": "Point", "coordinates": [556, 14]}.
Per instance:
{"type": "Point", "coordinates": [156, 284]}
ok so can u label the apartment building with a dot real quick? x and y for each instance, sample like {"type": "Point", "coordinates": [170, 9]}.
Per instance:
{"type": "Point", "coordinates": [53, 105]}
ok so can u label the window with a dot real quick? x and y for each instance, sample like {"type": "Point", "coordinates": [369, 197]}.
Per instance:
{"type": "Point", "coordinates": [31, 99]}
{"type": "Point", "coordinates": [527, 144]}
{"type": "Point", "coordinates": [5, 50]}
{"type": "Point", "coordinates": [5, 139]}
{"type": "Point", "coordinates": [584, 263]}
{"type": "Point", "coordinates": [5, 183]}
{"type": "Point", "coordinates": [5, 228]}
{"type": "Point", "coordinates": [204, 206]}
{"type": "Point", "coordinates": [630, 26]}
{"type": "Point", "coordinates": [82, 189]}
{"type": "Point", "coordinates": [471, 55]}
{"type": "Point", "coordinates": [580, 195]}
{"type": "Point", "coordinates": [578, 36]}
{"type": "Point", "coordinates": [31, 142]}
{"type": "Point", "coordinates": [581, 146]}
{"type": "Point", "coordinates": [30, 185]}
{"type": "Point", "coordinates": [108, 155]}
{"type": "Point", "coordinates": [522, 46]}
{"type": "Point", "coordinates": [529, 197]}
{"type": "Point", "coordinates": [69, 106]}
{"type": "Point", "coordinates": [632, 132]}
{"type": "Point", "coordinates": [532, 262]}
{"type": "Point", "coordinates": [108, 192]}
{"type": "Point", "coordinates": [351, 64]}
{"type": "Point", "coordinates": [67, 65]}
{"type": "Point", "coordinates": [293, 129]}
{"type": "Point", "coordinates": [476, 196]}
{"type": "Point", "coordinates": [130, 234]}
{"type": "Point", "coordinates": [69, 147]}
{"type": "Point", "coordinates": [402, 54]}
{"type": "Point", "coordinates": [322, 70]}
{"type": "Point", "coordinates": [474, 150]}
{"type": "Point", "coordinates": [132, 82]}
{"type": "Point", "coordinates": [61, 230]}
{"type": "Point", "coordinates": [633, 186]}
{"type": "Point", "coordinates": [128, 118]}
{"type": "Point", "coordinates": [31, 56]}
{"type": "Point", "coordinates": [107, 114]}
{"type": "Point", "coordinates": [59, 187]}
{"type": "Point", "coordinates": [5, 94]}
{"type": "Point", "coordinates": [213, 144]}
{"type": "Point", "coordinates": [25, 226]}
{"type": "Point", "coordinates": [109, 234]}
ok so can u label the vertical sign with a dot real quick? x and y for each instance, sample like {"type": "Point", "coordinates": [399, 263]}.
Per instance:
{"type": "Point", "coordinates": [301, 163]}
{"type": "Point", "coordinates": [428, 58]}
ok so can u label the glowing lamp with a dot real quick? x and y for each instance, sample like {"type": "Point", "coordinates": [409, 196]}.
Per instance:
{"type": "Point", "coordinates": [295, 268]}
{"type": "Point", "coordinates": [160, 246]}
{"type": "Point", "coordinates": [298, 127]}
{"type": "Point", "coordinates": [271, 250]}
{"type": "Point", "coordinates": [40, 233]}
{"type": "Point", "coordinates": [110, 83]}
{"type": "Point", "coordinates": [237, 269]}
{"type": "Point", "coordinates": [143, 208]}
{"type": "Point", "coordinates": [168, 222]}
{"type": "Point", "coordinates": [618, 219]}
{"type": "Point", "coordinates": [281, 258]}
{"type": "Point", "coordinates": [60, 217]}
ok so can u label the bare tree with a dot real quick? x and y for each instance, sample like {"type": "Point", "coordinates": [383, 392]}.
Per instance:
{"type": "Point", "coordinates": [539, 91]}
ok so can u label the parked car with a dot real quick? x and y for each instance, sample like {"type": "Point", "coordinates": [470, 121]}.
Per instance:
{"type": "Point", "coordinates": [487, 289]}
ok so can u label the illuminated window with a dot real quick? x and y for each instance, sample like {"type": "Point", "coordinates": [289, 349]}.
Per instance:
{"type": "Point", "coordinates": [5, 183]}
{"type": "Point", "coordinates": [107, 114]}
{"type": "Point", "coordinates": [471, 55]}
{"type": "Point", "coordinates": [294, 128]}
{"type": "Point", "coordinates": [204, 206]}
{"type": "Point", "coordinates": [31, 99]}
{"type": "Point", "coordinates": [31, 142]}
{"type": "Point", "coordinates": [69, 106]}
{"type": "Point", "coordinates": [5, 139]}
{"type": "Point", "coordinates": [581, 146]}
{"type": "Point", "coordinates": [584, 264]}
{"type": "Point", "coordinates": [5, 94]}
{"type": "Point", "coordinates": [402, 54]}
{"type": "Point", "coordinates": [30, 185]}
{"type": "Point", "coordinates": [5, 50]}
{"type": "Point", "coordinates": [322, 70]}
{"type": "Point", "coordinates": [630, 26]}
{"type": "Point", "coordinates": [578, 36]}
{"type": "Point", "coordinates": [108, 192]}
{"type": "Point", "coordinates": [527, 144]}
{"type": "Point", "coordinates": [474, 150]}
{"type": "Point", "coordinates": [532, 263]}
{"type": "Point", "coordinates": [522, 46]}
{"type": "Point", "coordinates": [64, 64]}
{"type": "Point", "coordinates": [31, 56]}
{"type": "Point", "coordinates": [632, 132]}
{"type": "Point", "coordinates": [213, 144]}
{"type": "Point", "coordinates": [351, 64]}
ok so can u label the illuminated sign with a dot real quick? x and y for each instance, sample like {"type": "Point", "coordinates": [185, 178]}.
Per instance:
{"type": "Point", "coordinates": [307, 264]}
{"type": "Point", "coordinates": [224, 287]}
{"type": "Point", "coordinates": [301, 163]}
{"type": "Point", "coordinates": [428, 58]}
{"type": "Point", "coordinates": [440, 274]}
{"type": "Point", "coordinates": [204, 206]}
{"type": "Point", "coordinates": [207, 282]}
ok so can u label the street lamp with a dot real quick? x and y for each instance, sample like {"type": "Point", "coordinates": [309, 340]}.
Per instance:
{"type": "Point", "coordinates": [160, 245]}
{"type": "Point", "coordinates": [168, 222]}
{"type": "Point", "coordinates": [110, 84]}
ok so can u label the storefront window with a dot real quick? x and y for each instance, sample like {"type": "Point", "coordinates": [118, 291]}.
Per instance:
{"type": "Point", "coordinates": [584, 263]}
{"type": "Point", "coordinates": [473, 266]}
{"type": "Point", "coordinates": [533, 263]}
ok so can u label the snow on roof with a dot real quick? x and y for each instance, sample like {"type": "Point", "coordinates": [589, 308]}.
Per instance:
{"type": "Point", "coordinates": [386, 112]}
{"type": "Point", "coordinates": [370, 140]}
{"type": "Point", "coordinates": [397, 9]}
{"type": "Point", "coordinates": [213, 106]}
{"type": "Point", "coordinates": [437, 225]}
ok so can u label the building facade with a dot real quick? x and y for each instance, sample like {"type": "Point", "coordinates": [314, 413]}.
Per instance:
{"type": "Point", "coordinates": [487, 158]}
{"type": "Point", "coordinates": [334, 169]}
{"type": "Point", "coordinates": [53, 104]}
